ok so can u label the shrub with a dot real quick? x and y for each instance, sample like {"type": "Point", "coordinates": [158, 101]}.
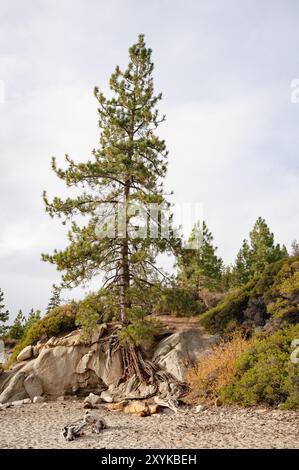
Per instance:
{"type": "Point", "coordinates": [140, 332]}
{"type": "Point", "coordinates": [276, 291]}
{"type": "Point", "coordinates": [95, 308]}
{"type": "Point", "coordinates": [57, 321]}
{"type": "Point", "coordinates": [177, 301]}
{"type": "Point", "coordinates": [217, 369]}
{"type": "Point", "coordinates": [227, 315]}
{"type": "Point", "coordinates": [265, 373]}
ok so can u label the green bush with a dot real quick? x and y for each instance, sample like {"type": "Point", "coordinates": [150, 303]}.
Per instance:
{"type": "Point", "coordinates": [140, 332]}
{"type": "Point", "coordinates": [277, 288]}
{"type": "Point", "coordinates": [266, 374]}
{"type": "Point", "coordinates": [57, 321]}
{"type": "Point", "coordinates": [228, 314]}
{"type": "Point", "coordinates": [177, 301]}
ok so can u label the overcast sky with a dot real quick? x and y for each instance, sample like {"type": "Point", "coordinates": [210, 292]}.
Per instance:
{"type": "Point", "coordinates": [224, 68]}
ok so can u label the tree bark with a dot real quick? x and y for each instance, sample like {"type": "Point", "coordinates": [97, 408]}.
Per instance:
{"type": "Point", "coordinates": [124, 282]}
{"type": "Point", "coordinates": [124, 265]}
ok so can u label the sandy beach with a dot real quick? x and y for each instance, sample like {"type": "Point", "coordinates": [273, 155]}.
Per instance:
{"type": "Point", "coordinates": [39, 425]}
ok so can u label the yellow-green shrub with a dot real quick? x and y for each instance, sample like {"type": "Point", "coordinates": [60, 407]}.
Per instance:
{"type": "Point", "coordinates": [216, 370]}
{"type": "Point", "coordinates": [265, 373]}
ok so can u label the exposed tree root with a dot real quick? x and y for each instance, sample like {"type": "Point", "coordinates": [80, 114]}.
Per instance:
{"type": "Point", "coordinates": [146, 371]}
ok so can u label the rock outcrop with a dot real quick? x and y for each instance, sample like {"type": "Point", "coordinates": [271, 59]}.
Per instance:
{"type": "Point", "coordinates": [33, 386]}
{"type": "Point", "coordinates": [182, 350]}
{"type": "Point", "coordinates": [68, 365]}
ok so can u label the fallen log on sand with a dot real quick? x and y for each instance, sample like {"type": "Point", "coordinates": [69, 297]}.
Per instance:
{"type": "Point", "coordinates": [76, 429]}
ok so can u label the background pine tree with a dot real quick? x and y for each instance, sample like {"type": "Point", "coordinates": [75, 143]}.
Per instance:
{"type": "Point", "coordinates": [257, 253]}
{"type": "Point", "coordinates": [33, 317]}
{"type": "Point", "coordinates": [200, 266]}
{"type": "Point", "coordinates": [16, 331]}
{"type": "Point", "coordinates": [55, 299]}
{"type": "Point", "coordinates": [4, 315]}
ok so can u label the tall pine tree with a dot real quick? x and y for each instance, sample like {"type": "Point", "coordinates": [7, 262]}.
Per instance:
{"type": "Point", "coordinates": [295, 248]}
{"type": "Point", "coordinates": [199, 266]}
{"type": "Point", "coordinates": [33, 317]}
{"type": "Point", "coordinates": [4, 315]}
{"type": "Point", "coordinates": [55, 300]}
{"type": "Point", "coordinates": [16, 331]}
{"type": "Point", "coordinates": [257, 253]}
{"type": "Point", "coordinates": [127, 169]}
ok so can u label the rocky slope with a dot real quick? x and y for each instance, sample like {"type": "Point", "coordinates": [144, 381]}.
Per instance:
{"type": "Point", "coordinates": [67, 365]}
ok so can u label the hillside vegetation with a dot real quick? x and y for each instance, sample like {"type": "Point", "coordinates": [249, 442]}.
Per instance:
{"type": "Point", "coordinates": [264, 366]}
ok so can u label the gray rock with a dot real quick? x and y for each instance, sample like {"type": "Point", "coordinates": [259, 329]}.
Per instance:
{"type": "Point", "coordinates": [33, 386]}
{"type": "Point", "coordinates": [106, 396]}
{"type": "Point", "coordinates": [64, 365]}
{"type": "Point", "coordinates": [17, 403]}
{"type": "Point", "coordinates": [39, 399]}
{"type": "Point", "coordinates": [200, 408]}
{"type": "Point", "coordinates": [182, 350]}
{"type": "Point", "coordinates": [27, 401]}
{"type": "Point", "coordinates": [92, 399]}
{"type": "Point", "coordinates": [14, 390]}
{"type": "Point", "coordinates": [25, 354]}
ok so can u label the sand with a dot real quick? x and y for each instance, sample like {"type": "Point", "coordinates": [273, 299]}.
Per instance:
{"type": "Point", "coordinates": [39, 425]}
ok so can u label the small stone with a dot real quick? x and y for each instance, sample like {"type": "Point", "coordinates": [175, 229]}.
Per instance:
{"type": "Point", "coordinates": [93, 399]}
{"type": "Point", "coordinates": [200, 408]}
{"type": "Point", "coordinates": [139, 408]}
{"type": "Point", "coordinates": [117, 406]}
{"type": "Point", "coordinates": [17, 403]}
{"type": "Point", "coordinates": [106, 396]}
{"type": "Point", "coordinates": [39, 399]}
{"type": "Point", "coordinates": [61, 398]}
{"type": "Point", "coordinates": [27, 401]}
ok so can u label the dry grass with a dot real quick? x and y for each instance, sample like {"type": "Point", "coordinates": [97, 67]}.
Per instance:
{"type": "Point", "coordinates": [216, 370]}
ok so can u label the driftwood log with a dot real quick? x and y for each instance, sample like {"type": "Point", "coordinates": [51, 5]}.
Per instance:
{"type": "Point", "coordinates": [74, 430]}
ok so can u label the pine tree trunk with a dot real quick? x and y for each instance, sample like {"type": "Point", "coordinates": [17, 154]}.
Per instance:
{"type": "Point", "coordinates": [124, 282]}
{"type": "Point", "coordinates": [124, 265]}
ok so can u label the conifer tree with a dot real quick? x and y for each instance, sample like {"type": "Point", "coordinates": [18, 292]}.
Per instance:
{"type": "Point", "coordinates": [17, 329]}
{"type": "Point", "coordinates": [55, 300]}
{"type": "Point", "coordinates": [295, 248]}
{"type": "Point", "coordinates": [257, 253]}
{"type": "Point", "coordinates": [33, 317]}
{"type": "Point", "coordinates": [242, 268]}
{"type": "Point", "coordinates": [200, 266]}
{"type": "Point", "coordinates": [4, 315]}
{"type": "Point", "coordinates": [127, 169]}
